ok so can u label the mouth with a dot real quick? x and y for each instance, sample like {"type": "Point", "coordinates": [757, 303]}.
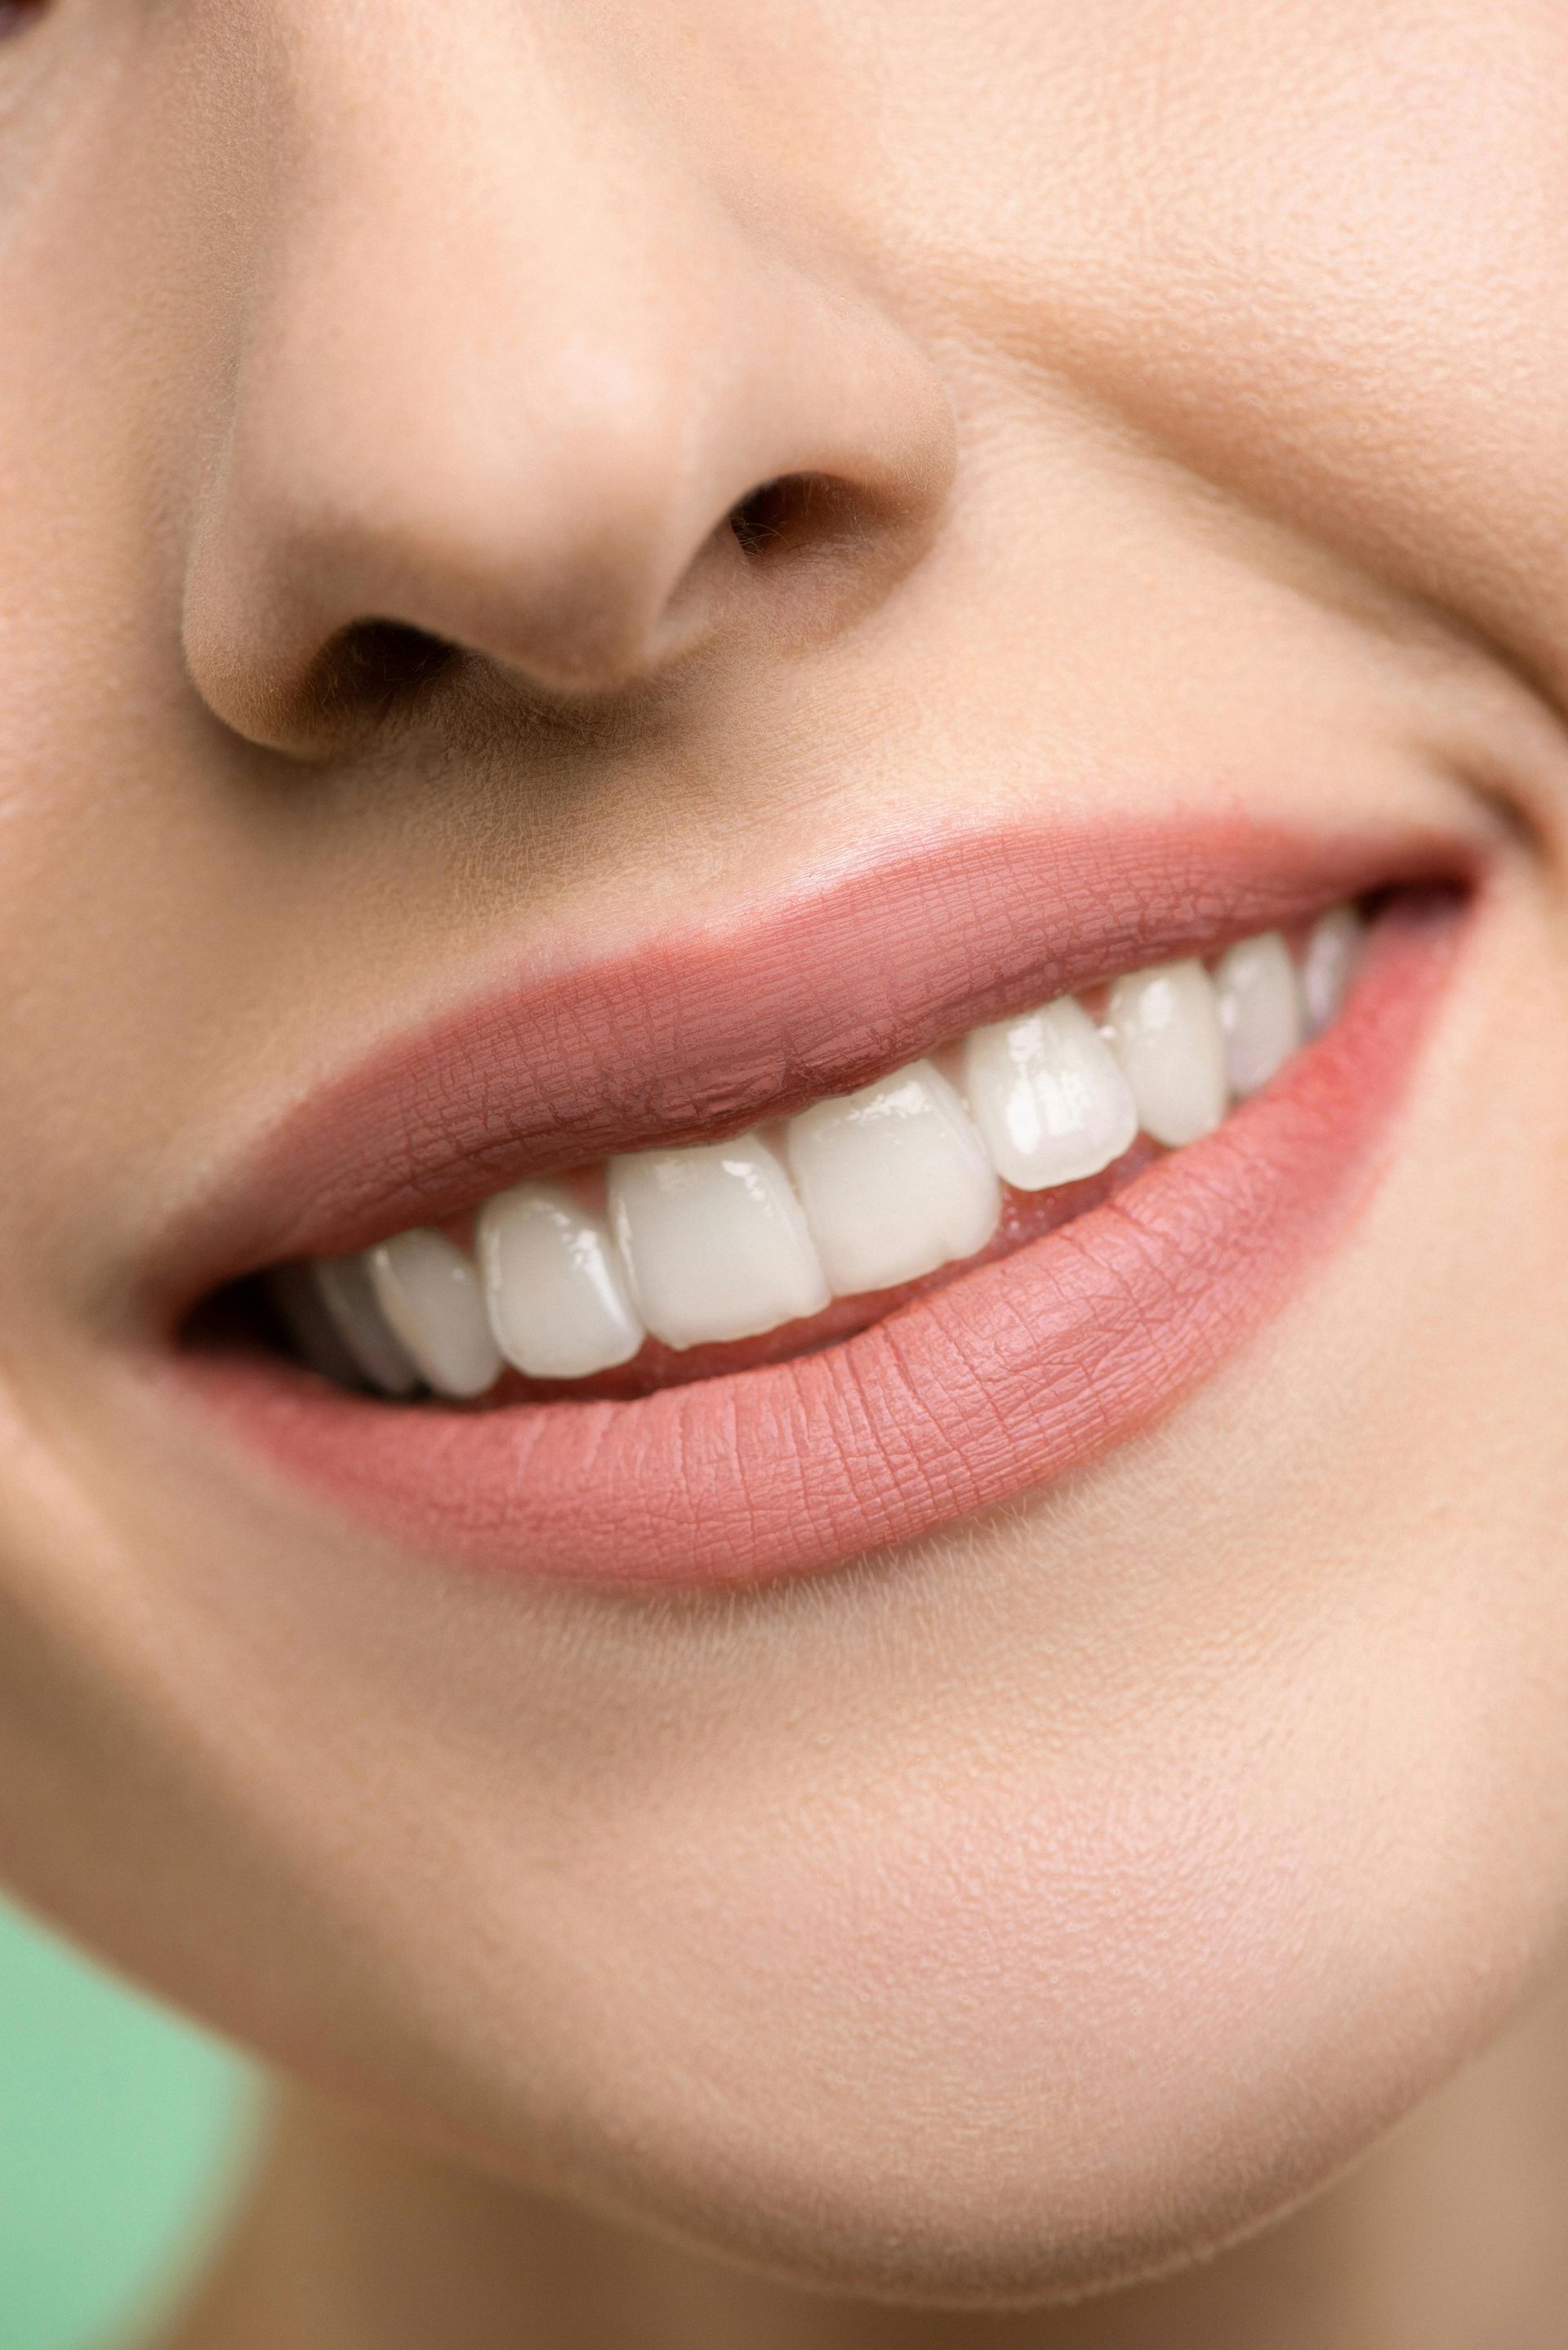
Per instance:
{"type": "Point", "coordinates": [758, 1249]}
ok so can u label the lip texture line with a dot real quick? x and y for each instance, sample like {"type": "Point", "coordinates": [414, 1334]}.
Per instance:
{"type": "Point", "coordinates": [688, 1038]}
{"type": "Point", "coordinates": [1000, 1380]}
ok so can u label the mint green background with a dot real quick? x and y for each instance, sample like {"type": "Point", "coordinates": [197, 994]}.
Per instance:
{"type": "Point", "coordinates": [123, 2135]}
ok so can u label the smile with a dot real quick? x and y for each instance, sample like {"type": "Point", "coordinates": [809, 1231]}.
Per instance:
{"type": "Point", "coordinates": [790, 1321]}
{"type": "Point", "coordinates": [703, 1247]}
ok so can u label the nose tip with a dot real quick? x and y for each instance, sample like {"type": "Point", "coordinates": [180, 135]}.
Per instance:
{"type": "Point", "coordinates": [573, 454]}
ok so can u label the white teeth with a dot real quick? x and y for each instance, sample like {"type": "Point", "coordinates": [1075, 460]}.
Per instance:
{"type": "Point", "coordinates": [552, 1283]}
{"type": "Point", "coordinates": [1163, 1025]}
{"type": "Point", "coordinates": [894, 1180]}
{"type": "Point", "coordinates": [1260, 1010]}
{"type": "Point", "coordinates": [347, 1292]}
{"type": "Point", "coordinates": [429, 1292]}
{"type": "Point", "coordinates": [1329, 961]}
{"type": "Point", "coordinates": [714, 1242]}
{"type": "Point", "coordinates": [708, 1245]}
{"type": "Point", "coordinates": [1047, 1097]}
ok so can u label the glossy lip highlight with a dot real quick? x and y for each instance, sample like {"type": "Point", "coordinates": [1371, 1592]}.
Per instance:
{"type": "Point", "coordinates": [999, 1380]}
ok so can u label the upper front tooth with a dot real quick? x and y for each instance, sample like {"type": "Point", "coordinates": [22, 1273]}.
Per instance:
{"type": "Point", "coordinates": [344, 1285]}
{"type": "Point", "coordinates": [894, 1180]}
{"type": "Point", "coordinates": [1331, 953]}
{"type": "Point", "coordinates": [552, 1283]}
{"type": "Point", "coordinates": [1164, 1028]}
{"type": "Point", "coordinates": [714, 1243]}
{"type": "Point", "coordinates": [1047, 1097]}
{"type": "Point", "coordinates": [1260, 1010]}
{"type": "Point", "coordinates": [429, 1292]}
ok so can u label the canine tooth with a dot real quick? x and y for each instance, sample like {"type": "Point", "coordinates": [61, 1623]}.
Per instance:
{"type": "Point", "coordinates": [344, 1285]}
{"type": "Point", "coordinates": [1260, 1010]}
{"type": "Point", "coordinates": [1331, 948]}
{"type": "Point", "coordinates": [1163, 1026]}
{"type": "Point", "coordinates": [893, 1181]}
{"type": "Point", "coordinates": [1048, 1098]}
{"type": "Point", "coordinates": [713, 1242]}
{"type": "Point", "coordinates": [553, 1285]}
{"type": "Point", "coordinates": [430, 1293]}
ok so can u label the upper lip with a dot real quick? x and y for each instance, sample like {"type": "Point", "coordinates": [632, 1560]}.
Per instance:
{"type": "Point", "coordinates": [692, 1037]}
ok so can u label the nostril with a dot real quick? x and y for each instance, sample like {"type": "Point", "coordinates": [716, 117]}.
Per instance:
{"type": "Point", "coordinates": [784, 516]}
{"type": "Point", "coordinates": [376, 667]}
{"type": "Point", "coordinates": [15, 15]}
{"type": "Point", "coordinates": [763, 516]}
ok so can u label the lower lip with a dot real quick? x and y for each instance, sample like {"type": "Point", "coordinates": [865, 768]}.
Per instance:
{"type": "Point", "coordinates": [1005, 1379]}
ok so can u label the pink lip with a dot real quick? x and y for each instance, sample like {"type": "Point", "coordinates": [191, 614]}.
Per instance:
{"type": "Point", "coordinates": [1011, 1375]}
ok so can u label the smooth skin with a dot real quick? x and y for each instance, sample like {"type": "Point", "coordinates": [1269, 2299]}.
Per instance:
{"type": "Point", "coordinates": [1069, 1896]}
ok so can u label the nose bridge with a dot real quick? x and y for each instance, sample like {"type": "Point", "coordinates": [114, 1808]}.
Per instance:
{"type": "Point", "coordinates": [509, 358]}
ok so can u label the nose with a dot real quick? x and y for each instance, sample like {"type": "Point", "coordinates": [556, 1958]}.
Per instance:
{"type": "Point", "coordinates": [518, 384]}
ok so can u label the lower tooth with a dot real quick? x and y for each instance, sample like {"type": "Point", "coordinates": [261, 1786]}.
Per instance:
{"type": "Point", "coordinates": [894, 1180]}
{"type": "Point", "coordinates": [713, 1243]}
{"type": "Point", "coordinates": [429, 1292]}
{"type": "Point", "coordinates": [553, 1285]}
{"type": "Point", "coordinates": [1260, 1010]}
{"type": "Point", "coordinates": [1163, 1025]}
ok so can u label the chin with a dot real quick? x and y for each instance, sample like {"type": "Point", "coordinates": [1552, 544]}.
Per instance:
{"type": "Point", "coordinates": [984, 2012]}
{"type": "Point", "coordinates": [990, 2104]}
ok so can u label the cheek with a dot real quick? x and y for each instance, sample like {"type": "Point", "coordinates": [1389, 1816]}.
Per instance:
{"type": "Point", "coordinates": [1362, 219]}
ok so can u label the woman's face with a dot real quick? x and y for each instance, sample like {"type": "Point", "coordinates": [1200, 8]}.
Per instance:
{"type": "Point", "coordinates": [579, 578]}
